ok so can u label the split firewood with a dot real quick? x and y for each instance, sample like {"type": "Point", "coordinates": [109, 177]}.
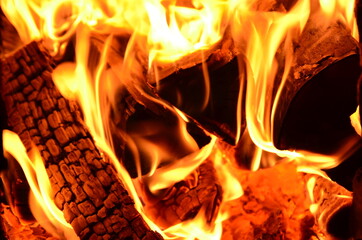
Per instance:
{"type": "Point", "coordinates": [319, 94]}
{"type": "Point", "coordinates": [214, 105]}
{"type": "Point", "coordinates": [85, 186]}
{"type": "Point", "coordinates": [185, 199]}
{"type": "Point", "coordinates": [132, 106]}
{"type": "Point", "coordinates": [181, 84]}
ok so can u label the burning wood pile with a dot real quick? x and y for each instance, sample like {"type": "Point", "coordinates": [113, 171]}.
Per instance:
{"type": "Point", "coordinates": [181, 119]}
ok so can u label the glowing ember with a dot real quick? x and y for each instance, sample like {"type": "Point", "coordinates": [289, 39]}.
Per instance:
{"type": "Point", "coordinates": [118, 45]}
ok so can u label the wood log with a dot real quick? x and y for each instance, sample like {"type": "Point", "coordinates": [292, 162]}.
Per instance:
{"type": "Point", "coordinates": [184, 200]}
{"type": "Point", "coordinates": [211, 101]}
{"type": "Point", "coordinates": [183, 79]}
{"type": "Point", "coordinates": [163, 132]}
{"type": "Point", "coordinates": [330, 205]}
{"type": "Point", "coordinates": [133, 106]}
{"type": "Point", "coordinates": [85, 186]}
{"type": "Point", "coordinates": [320, 92]}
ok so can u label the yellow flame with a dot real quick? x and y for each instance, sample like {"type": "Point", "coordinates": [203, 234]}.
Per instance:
{"type": "Point", "coordinates": [196, 228]}
{"type": "Point", "coordinates": [342, 11]}
{"type": "Point", "coordinates": [50, 217]}
{"type": "Point", "coordinates": [177, 31]}
{"type": "Point", "coordinates": [310, 187]}
{"type": "Point", "coordinates": [166, 31]}
{"type": "Point", "coordinates": [172, 31]}
{"type": "Point", "coordinates": [263, 33]}
{"type": "Point", "coordinates": [356, 121]}
{"type": "Point", "coordinates": [231, 186]}
{"type": "Point", "coordinates": [167, 176]}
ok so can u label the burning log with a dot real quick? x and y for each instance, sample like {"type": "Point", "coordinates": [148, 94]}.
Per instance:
{"type": "Point", "coordinates": [86, 187]}
{"type": "Point", "coordinates": [182, 201]}
{"type": "Point", "coordinates": [320, 92]}
{"type": "Point", "coordinates": [185, 199]}
{"type": "Point", "coordinates": [211, 99]}
{"type": "Point", "coordinates": [330, 205]}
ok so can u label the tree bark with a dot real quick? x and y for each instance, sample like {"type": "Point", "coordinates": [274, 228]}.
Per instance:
{"type": "Point", "coordinates": [85, 186]}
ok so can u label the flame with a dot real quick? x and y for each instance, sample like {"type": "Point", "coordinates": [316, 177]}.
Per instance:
{"type": "Point", "coordinates": [343, 11]}
{"type": "Point", "coordinates": [179, 30]}
{"type": "Point", "coordinates": [356, 121]}
{"type": "Point", "coordinates": [50, 217]}
{"type": "Point", "coordinates": [164, 32]}
{"type": "Point", "coordinates": [263, 33]}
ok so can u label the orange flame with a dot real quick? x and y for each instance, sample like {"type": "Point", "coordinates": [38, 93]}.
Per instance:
{"type": "Point", "coordinates": [195, 229]}
{"type": "Point", "coordinates": [356, 121]}
{"type": "Point", "coordinates": [165, 32]}
{"type": "Point", "coordinates": [50, 217]}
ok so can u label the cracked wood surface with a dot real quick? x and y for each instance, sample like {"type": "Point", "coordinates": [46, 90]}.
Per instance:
{"type": "Point", "coordinates": [200, 191]}
{"type": "Point", "coordinates": [86, 188]}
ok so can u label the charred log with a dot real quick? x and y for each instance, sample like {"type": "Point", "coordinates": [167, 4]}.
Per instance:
{"type": "Point", "coordinates": [208, 90]}
{"type": "Point", "coordinates": [185, 199]}
{"type": "Point", "coordinates": [134, 112]}
{"type": "Point", "coordinates": [331, 206]}
{"type": "Point", "coordinates": [85, 186]}
{"type": "Point", "coordinates": [320, 92]}
{"type": "Point", "coordinates": [185, 89]}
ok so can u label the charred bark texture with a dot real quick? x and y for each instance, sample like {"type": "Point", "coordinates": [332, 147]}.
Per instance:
{"type": "Point", "coordinates": [185, 199]}
{"type": "Point", "coordinates": [86, 188]}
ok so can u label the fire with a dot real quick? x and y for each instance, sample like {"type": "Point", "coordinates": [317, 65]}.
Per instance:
{"type": "Point", "coordinates": [163, 32]}
{"type": "Point", "coordinates": [196, 229]}
{"type": "Point", "coordinates": [343, 11]}
{"type": "Point", "coordinates": [50, 217]}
